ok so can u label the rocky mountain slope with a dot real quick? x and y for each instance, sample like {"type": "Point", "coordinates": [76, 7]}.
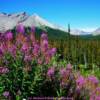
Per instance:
{"type": "Point", "coordinates": [9, 21]}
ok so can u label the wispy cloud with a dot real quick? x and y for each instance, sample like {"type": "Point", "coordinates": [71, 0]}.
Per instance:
{"type": "Point", "coordinates": [88, 29]}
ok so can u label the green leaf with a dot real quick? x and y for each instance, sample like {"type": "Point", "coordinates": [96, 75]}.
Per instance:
{"type": "Point", "coordinates": [1, 89]}
{"type": "Point", "coordinates": [17, 97]}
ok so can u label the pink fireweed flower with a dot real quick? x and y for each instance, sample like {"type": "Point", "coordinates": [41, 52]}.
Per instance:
{"type": "Point", "coordinates": [50, 53]}
{"type": "Point", "coordinates": [78, 90]}
{"type": "Point", "coordinates": [36, 50]}
{"type": "Point", "coordinates": [1, 53]}
{"type": "Point", "coordinates": [63, 72]}
{"type": "Point", "coordinates": [45, 43]}
{"type": "Point", "coordinates": [9, 35]}
{"type": "Point", "coordinates": [98, 91]}
{"type": "Point", "coordinates": [93, 79]}
{"type": "Point", "coordinates": [44, 36]}
{"type": "Point", "coordinates": [97, 98]}
{"type": "Point", "coordinates": [32, 35]}
{"type": "Point", "coordinates": [33, 29]}
{"type": "Point", "coordinates": [44, 46]}
{"type": "Point", "coordinates": [25, 47]}
{"type": "Point", "coordinates": [13, 50]}
{"type": "Point", "coordinates": [50, 72]}
{"type": "Point", "coordinates": [27, 58]}
{"type": "Point", "coordinates": [69, 67]}
{"type": "Point", "coordinates": [20, 28]}
{"type": "Point", "coordinates": [92, 97]}
{"type": "Point", "coordinates": [95, 95]}
{"type": "Point", "coordinates": [53, 51]}
{"type": "Point", "coordinates": [20, 39]}
{"type": "Point", "coordinates": [47, 59]}
{"type": "Point", "coordinates": [6, 94]}
{"type": "Point", "coordinates": [4, 70]}
{"type": "Point", "coordinates": [40, 61]}
{"type": "Point", "coordinates": [3, 47]}
{"type": "Point", "coordinates": [80, 81]}
{"type": "Point", "coordinates": [62, 83]}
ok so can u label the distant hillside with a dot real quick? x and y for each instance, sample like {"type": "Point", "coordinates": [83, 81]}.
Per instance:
{"type": "Point", "coordinates": [10, 21]}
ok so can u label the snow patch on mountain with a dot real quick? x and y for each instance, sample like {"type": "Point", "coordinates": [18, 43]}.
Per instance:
{"type": "Point", "coordinates": [79, 32]}
{"type": "Point", "coordinates": [37, 21]}
{"type": "Point", "coordinates": [96, 32]}
{"type": "Point", "coordinates": [9, 21]}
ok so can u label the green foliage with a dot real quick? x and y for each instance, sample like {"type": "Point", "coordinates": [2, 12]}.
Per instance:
{"type": "Point", "coordinates": [29, 78]}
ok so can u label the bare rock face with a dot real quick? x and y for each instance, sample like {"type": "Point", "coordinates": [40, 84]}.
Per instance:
{"type": "Point", "coordinates": [9, 21]}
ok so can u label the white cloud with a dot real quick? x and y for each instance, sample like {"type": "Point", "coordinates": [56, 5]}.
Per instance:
{"type": "Point", "coordinates": [88, 29]}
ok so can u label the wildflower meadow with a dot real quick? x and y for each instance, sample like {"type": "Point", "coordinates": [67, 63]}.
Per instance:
{"type": "Point", "coordinates": [31, 68]}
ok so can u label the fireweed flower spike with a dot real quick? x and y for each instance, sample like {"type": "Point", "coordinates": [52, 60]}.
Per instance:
{"type": "Point", "coordinates": [25, 47]}
{"type": "Point", "coordinates": [9, 35]}
{"type": "Point", "coordinates": [80, 81]}
{"type": "Point", "coordinates": [97, 98]}
{"type": "Point", "coordinates": [44, 46]}
{"type": "Point", "coordinates": [49, 53]}
{"type": "Point", "coordinates": [36, 50]}
{"type": "Point", "coordinates": [53, 51]}
{"type": "Point", "coordinates": [1, 53]}
{"type": "Point", "coordinates": [27, 58]}
{"type": "Point", "coordinates": [32, 29]}
{"type": "Point", "coordinates": [95, 95]}
{"type": "Point", "coordinates": [44, 36]}
{"type": "Point", "coordinates": [4, 70]}
{"type": "Point", "coordinates": [3, 47]}
{"type": "Point", "coordinates": [20, 28]}
{"type": "Point", "coordinates": [63, 72]}
{"type": "Point", "coordinates": [91, 82]}
{"type": "Point", "coordinates": [64, 76]}
{"type": "Point", "coordinates": [40, 61]}
{"type": "Point", "coordinates": [69, 67]}
{"type": "Point", "coordinates": [30, 54]}
{"type": "Point", "coordinates": [93, 79]}
{"type": "Point", "coordinates": [50, 72]}
{"type": "Point", "coordinates": [13, 50]}
{"type": "Point", "coordinates": [6, 94]}
{"type": "Point", "coordinates": [32, 35]}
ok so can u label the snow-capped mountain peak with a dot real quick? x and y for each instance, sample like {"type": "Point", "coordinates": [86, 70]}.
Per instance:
{"type": "Point", "coordinates": [96, 32]}
{"type": "Point", "coordinates": [9, 21]}
{"type": "Point", "coordinates": [36, 20]}
{"type": "Point", "coordinates": [79, 32]}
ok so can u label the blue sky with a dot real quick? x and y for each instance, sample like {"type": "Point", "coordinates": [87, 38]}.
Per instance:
{"type": "Point", "coordinates": [83, 14]}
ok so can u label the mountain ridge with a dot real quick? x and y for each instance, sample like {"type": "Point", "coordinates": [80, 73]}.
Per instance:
{"type": "Point", "coordinates": [9, 21]}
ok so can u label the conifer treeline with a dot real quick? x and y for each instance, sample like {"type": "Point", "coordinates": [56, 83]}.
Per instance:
{"type": "Point", "coordinates": [78, 50]}
{"type": "Point", "coordinates": [75, 49]}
